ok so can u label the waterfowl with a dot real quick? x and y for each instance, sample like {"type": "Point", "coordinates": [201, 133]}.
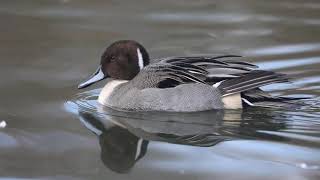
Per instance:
{"type": "Point", "coordinates": [179, 84]}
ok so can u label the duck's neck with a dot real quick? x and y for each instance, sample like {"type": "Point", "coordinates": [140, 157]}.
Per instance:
{"type": "Point", "coordinates": [108, 89]}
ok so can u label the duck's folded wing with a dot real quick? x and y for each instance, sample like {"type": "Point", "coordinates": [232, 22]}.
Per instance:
{"type": "Point", "coordinates": [217, 68]}
{"type": "Point", "coordinates": [236, 76]}
{"type": "Point", "coordinates": [172, 71]}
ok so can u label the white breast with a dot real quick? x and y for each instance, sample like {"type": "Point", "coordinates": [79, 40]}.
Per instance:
{"type": "Point", "coordinates": [108, 89]}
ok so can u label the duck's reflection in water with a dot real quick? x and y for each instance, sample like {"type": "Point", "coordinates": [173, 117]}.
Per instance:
{"type": "Point", "coordinates": [124, 136]}
{"type": "Point", "coordinates": [120, 149]}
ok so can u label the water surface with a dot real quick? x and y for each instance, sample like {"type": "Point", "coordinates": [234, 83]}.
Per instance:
{"type": "Point", "coordinates": [53, 132]}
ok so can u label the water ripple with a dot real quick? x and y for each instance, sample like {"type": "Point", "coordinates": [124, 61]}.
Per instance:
{"type": "Point", "coordinates": [288, 63]}
{"type": "Point", "coordinates": [284, 49]}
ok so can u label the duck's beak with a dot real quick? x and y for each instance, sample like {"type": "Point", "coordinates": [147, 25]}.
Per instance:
{"type": "Point", "coordinates": [95, 77]}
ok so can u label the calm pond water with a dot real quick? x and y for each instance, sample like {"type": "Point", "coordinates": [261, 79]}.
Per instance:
{"type": "Point", "coordinates": [54, 131]}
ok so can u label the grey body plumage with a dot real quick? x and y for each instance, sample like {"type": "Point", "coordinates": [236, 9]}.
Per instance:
{"type": "Point", "coordinates": [182, 98]}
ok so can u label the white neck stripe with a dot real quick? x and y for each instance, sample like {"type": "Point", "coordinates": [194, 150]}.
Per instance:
{"type": "Point", "coordinates": [140, 58]}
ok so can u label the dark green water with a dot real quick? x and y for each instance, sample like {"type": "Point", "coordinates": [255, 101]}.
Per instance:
{"type": "Point", "coordinates": [53, 132]}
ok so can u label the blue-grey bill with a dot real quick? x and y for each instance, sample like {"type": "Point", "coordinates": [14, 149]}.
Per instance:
{"type": "Point", "coordinates": [97, 76]}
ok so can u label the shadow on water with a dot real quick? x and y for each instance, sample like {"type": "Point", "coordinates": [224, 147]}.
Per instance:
{"type": "Point", "coordinates": [124, 136]}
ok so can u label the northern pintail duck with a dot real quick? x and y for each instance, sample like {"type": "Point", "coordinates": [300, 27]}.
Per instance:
{"type": "Point", "coordinates": [179, 84]}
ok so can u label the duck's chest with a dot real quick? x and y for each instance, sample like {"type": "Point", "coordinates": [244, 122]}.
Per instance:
{"type": "Point", "coordinates": [108, 90]}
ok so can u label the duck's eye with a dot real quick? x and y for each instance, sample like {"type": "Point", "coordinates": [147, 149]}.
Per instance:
{"type": "Point", "coordinates": [113, 59]}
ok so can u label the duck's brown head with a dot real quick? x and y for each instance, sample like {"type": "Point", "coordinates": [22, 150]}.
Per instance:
{"type": "Point", "coordinates": [121, 60]}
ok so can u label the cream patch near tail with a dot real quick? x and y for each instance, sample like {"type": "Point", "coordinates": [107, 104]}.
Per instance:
{"type": "Point", "coordinates": [108, 89]}
{"type": "Point", "coordinates": [233, 101]}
